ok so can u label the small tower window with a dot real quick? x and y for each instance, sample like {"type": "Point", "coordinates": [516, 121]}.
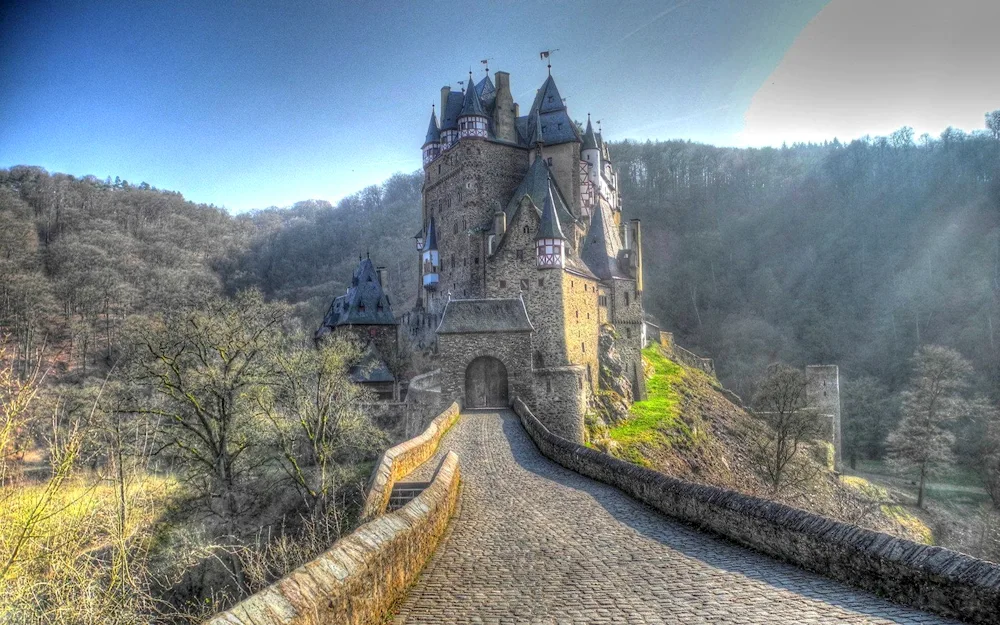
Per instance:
{"type": "Point", "coordinates": [583, 347]}
{"type": "Point", "coordinates": [520, 254]}
{"type": "Point", "coordinates": [503, 284]}
{"type": "Point", "coordinates": [454, 229]}
{"type": "Point", "coordinates": [626, 299]}
{"type": "Point", "coordinates": [549, 160]}
{"type": "Point", "coordinates": [526, 230]}
{"type": "Point", "coordinates": [541, 282]}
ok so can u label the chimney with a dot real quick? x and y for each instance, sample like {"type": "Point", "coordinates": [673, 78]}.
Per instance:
{"type": "Point", "coordinates": [445, 92]}
{"type": "Point", "coordinates": [383, 278]}
{"type": "Point", "coordinates": [503, 110]}
{"type": "Point", "coordinates": [635, 226]}
{"type": "Point", "coordinates": [517, 110]}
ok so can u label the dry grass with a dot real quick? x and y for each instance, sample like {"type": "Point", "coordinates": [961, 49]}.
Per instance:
{"type": "Point", "coordinates": [75, 561]}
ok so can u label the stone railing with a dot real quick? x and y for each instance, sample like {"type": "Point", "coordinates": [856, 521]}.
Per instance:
{"type": "Point", "coordinates": [931, 578]}
{"type": "Point", "coordinates": [359, 579]}
{"type": "Point", "coordinates": [400, 460]}
{"type": "Point", "coordinates": [684, 356]}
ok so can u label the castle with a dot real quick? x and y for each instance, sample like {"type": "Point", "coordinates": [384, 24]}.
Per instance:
{"type": "Point", "coordinates": [530, 279]}
{"type": "Point", "coordinates": [523, 254]}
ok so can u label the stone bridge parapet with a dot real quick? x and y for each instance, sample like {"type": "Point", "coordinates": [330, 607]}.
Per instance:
{"type": "Point", "coordinates": [400, 460]}
{"type": "Point", "coordinates": [931, 578]}
{"type": "Point", "coordinates": [365, 573]}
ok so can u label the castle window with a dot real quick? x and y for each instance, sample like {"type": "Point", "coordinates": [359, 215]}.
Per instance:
{"type": "Point", "coordinates": [539, 363]}
{"type": "Point", "coordinates": [549, 160]}
{"type": "Point", "coordinates": [477, 260]}
{"type": "Point", "coordinates": [524, 284]}
{"type": "Point", "coordinates": [503, 284]}
{"type": "Point", "coordinates": [628, 333]}
{"type": "Point", "coordinates": [580, 381]}
{"type": "Point", "coordinates": [439, 168]}
{"type": "Point", "coordinates": [548, 386]}
{"type": "Point", "coordinates": [578, 314]}
{"type": "Point", "coordinates": [572, 284]}
{"type": "Point", "coordinates": [526, 230]}
{"type": "Point", "coordinates": [520, 254]}
{"type": "Point", "coordinates": [454, 229]}
{"type": "Point", "coordinates": [541, 282]}
{"type": "Point", "coordinates": [583, 347]}
{"type": "Point", "coordinates": [588, 315]}
{"type": "Point", "coordinates": [626, 299]}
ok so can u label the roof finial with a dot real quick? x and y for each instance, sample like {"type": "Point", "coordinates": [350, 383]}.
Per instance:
{"type": "Point", "coordinates": [547, 54]}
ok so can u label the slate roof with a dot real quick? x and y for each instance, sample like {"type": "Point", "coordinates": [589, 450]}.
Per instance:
{"type": "Point", "coordinates": [538, 184]}
{"type": "Point", "coordinates": [549, 227]}
{"type": "Point", "coordinates": [602, 244]}
{"type": "Point", "coordinates": [433, 132]}
{"type": "Point", "coordinates": [449, 116]}
{"type": "Point", "coordinates": [430, 240]}
{"type": "Point", "coordinates": [487, 92]}
{"type": "Point", "coordinates": [472, 316]}
{"type": "Point", "coordinates": [365, 303]}
{"type": "Point", "coordinates": [371, 367]}
{"type": "Point", "coordinates": [549, 113]}
{"type": "Point", "coordinates": [589, 140]}
{"type": "Point", "coordinates": [471, 104]}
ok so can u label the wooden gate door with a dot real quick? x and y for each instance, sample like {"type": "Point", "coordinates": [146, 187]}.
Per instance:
{"type": "Point", "coordinates": [486, 383]}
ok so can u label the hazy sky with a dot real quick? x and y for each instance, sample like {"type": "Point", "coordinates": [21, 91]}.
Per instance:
{"type": "Point", "coordinates": [250, 104]}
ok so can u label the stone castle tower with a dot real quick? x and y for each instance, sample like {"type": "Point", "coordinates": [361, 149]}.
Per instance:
{"type": "Point", "coordinates": [823, 395]}
{"type": "Point", "coordinates": [524, 255]}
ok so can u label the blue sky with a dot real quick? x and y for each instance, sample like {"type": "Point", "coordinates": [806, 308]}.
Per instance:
{"type": "Point", "coordinates": [251, 104]}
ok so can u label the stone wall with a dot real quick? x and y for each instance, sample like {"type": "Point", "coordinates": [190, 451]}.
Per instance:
{"type": "Point", "coordinates": [456, 351]}
{"type": "Point", "coordinates": [359, 579]}
{"type": "Point", "coordinates": [561, 400]}
{"type": "Point", "coordinates": [931, 578]}
{"type": "Point", "coordinates": [463, 189]}
{"type": "Point", "coordinates": [400, 460]}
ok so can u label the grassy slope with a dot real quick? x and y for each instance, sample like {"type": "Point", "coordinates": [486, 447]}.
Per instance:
{"type": "Point", "coordinates": [687, 428]}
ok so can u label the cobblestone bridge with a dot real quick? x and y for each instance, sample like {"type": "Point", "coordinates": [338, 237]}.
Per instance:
{"type": "Point", "coordinates": [536, 543]}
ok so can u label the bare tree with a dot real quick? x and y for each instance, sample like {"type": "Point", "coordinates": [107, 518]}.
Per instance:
{"type": "Point", "coordinates": [788, 427]}
{"type": "Point", "coordinates": [210, 370]}
{"type": "Point", "coordinates": [322, 420]}
{"type": "Point", "coordinates": [933, 400]}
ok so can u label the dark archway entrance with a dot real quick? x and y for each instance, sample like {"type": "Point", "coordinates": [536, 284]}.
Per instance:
{"type": "Point", "coordinates": [486, 383]}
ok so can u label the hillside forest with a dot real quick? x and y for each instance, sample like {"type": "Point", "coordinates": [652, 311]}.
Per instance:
{"type": "Point", "coordinates": [164, 346]}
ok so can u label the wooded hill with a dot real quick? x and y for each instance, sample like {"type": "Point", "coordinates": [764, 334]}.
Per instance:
{"type": "Point", "coordinates": [850, 254]}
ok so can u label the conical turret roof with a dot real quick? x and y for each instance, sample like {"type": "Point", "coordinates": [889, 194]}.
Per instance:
{"type": "Point", "coordinates": [433, 131]}
{"type": "Point", "coordinates": [472, 105]}
{"type": "Point", "coordinates": [589, 139]}
{"type": "Point", "coordinates": [430, 241]}
{"type": "Point", "coordinates": [601, 245]}
{"type": "Point", "coordinates": [549, 227]}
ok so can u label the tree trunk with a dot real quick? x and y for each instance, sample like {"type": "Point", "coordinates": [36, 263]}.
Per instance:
{"type": "Point", "coordinates": [920, 490]}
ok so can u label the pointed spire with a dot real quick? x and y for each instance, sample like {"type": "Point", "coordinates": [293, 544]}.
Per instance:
{"type": "Point", "coordinates": [430, 241]}
{"type": "Point", "coordinates": [539, 139]}
{"type": "Point", "coordinates": [549, 227]}
{"type": "Point", "coordinates": [472, 104]}
{"type": "Point", "coordinates": [433, 130]}
{"type": "Point", "coordinates": [589, 139]}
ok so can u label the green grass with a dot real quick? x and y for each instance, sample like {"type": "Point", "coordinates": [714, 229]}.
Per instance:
{"type": "Point", "coordinates": [653, 418]}
{"type": "Point", "coordinates": [900, 514]}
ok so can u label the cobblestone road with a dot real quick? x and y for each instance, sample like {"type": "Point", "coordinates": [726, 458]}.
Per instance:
{"type": "Point", "coordinates": [535, 543]}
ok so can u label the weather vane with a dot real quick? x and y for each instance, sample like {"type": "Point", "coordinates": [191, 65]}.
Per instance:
{"type": "Point", "coordinates": [546, 54]}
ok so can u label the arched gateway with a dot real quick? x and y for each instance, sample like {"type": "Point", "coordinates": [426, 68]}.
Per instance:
{"type": "Point", "coordinates": [486, 383]}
